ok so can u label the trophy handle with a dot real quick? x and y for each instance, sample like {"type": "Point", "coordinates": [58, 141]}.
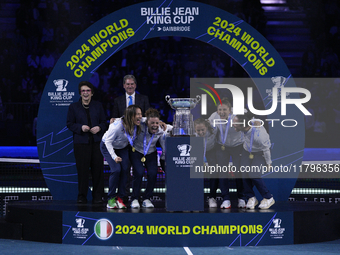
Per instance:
{"type": "Point", "coordinates": [167, 98]}
{"type": "Point", "coordinates": [198, 98]}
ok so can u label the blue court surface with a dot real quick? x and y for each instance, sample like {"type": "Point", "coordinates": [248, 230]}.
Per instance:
{"type": "Point", "coordinates": [8, 246]}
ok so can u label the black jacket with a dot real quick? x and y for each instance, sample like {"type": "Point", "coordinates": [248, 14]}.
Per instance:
{"type": "Point", "coordinates": [76, 118]}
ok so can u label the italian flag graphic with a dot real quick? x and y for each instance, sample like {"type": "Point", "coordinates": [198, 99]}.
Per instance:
{"type": "Point", "coordinates": [103, 229]}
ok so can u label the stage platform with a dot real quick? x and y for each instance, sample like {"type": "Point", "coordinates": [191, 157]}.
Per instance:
{"type": "Point", "coordinates": [88, 224]}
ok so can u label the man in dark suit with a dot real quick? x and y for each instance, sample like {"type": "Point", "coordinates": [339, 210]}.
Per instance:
{"type": "Point", "coordinates": [130, 97]}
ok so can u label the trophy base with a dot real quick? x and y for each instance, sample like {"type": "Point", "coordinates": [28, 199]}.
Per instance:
{"type": "Point", "coordinates": [182, 132]}
{"type": "Point", "coordinates": [172, 135]}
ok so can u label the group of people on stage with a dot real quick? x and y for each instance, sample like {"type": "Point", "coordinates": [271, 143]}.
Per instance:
{"type": "Point", "coordinates": [131, 139]}
{"type": "Point", "coordinates": [244, 141]}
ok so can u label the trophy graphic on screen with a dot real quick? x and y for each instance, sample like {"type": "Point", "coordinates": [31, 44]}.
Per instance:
{"type": "Point", "coordinates": [183, 124]}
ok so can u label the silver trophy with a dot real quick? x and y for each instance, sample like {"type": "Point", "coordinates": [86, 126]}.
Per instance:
{"type": "Point", "coordinates": [183, 124]}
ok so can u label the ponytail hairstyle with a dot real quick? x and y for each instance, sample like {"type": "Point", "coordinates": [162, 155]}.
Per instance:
{"type": "Point", "coordinates": [226, 102]}
{"type": "Point", "coordinates": [129, 115]}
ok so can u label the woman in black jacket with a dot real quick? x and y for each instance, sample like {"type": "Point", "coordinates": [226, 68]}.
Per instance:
{"type": "Point", "coordinates": [86, 119]}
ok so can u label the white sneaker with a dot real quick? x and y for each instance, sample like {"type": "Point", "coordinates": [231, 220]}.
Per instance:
{"type": "Point", "coordinates": [135, 204]}
{"type": "Point", "coordinates": [212, 202]}
{"type": "Point", "coordinates": [226, 204]}
{"type": "Point", "coordinates": [266, 203]}
{"type": "Point", "coordinates": [147, 204]}
{"type": "Point", "coordinates": [252, 202]}
{"type": "Point", "coordinates": [241, 203]}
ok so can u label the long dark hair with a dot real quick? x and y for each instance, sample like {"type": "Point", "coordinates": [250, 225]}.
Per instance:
{"type": "Point", "coordinates": [129, 115]}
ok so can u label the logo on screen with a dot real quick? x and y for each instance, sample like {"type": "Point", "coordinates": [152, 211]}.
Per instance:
{"type": "Point", "coordinates": [80, 223]}
{"type": "Point", "coordinates": [60, 84]}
